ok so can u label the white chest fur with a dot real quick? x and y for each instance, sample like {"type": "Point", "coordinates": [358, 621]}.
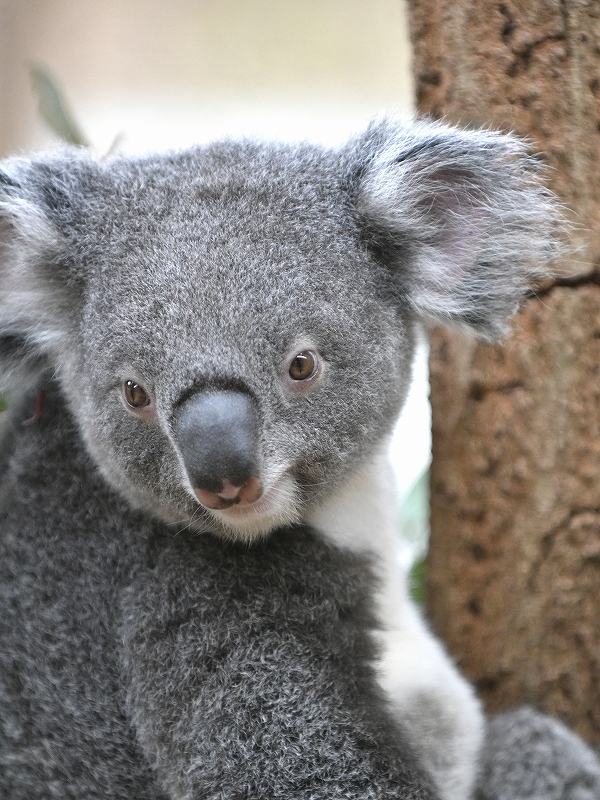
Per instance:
{"type": "Point", "coordinates": [430, 699]}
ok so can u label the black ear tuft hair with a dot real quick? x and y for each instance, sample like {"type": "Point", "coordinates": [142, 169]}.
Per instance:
{"type": "Point", "coordinates": [462, 217]}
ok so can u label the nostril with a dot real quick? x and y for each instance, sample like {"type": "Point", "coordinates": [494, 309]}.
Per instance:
{"type": "Point", "coordinates": [231, 495]}
{"type": "Point", "coordinates": [228, 491]}
{"type": "Point", "coordinates": [251, 491]}
{"type": "Point", "coordinates": [213, 500]}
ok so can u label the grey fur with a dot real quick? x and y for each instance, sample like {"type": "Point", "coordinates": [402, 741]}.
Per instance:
{"type": "Point", "coordinates": [154, 648]}
{"type": "Point", "coordinates": [142, 664]}
{"type": "Point", "coordinates": [529, 756]}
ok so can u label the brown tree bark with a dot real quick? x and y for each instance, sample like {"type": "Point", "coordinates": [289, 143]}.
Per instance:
{"type": "Point", "coordinates": [514, 565]}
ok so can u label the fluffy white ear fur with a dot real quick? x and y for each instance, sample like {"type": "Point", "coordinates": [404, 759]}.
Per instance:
{"type": "Point", "coordinates": [25, 235]}
{"type": "Point", "coordinates": [34, 301]}
{"type": "Point", "coordinates": [462, 218]}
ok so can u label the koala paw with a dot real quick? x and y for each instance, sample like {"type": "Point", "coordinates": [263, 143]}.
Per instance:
{"type": "Point", "coordinates": [530, 756]}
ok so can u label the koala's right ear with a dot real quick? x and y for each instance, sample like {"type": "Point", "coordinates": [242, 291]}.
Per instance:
{"type": "Point", "coordinates": [37, 292]}
{"type": "Point", "coordinates": [460, 217]}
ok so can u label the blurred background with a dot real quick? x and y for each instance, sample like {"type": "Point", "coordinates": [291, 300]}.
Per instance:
{"type": "Point", "coordinates": [143, 75]}
{"type": "Point", "coordinates": [169, 74]}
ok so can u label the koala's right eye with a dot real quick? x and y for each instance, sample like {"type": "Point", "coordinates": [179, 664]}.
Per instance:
{"type": "Point", "coordinates": [135, 395]}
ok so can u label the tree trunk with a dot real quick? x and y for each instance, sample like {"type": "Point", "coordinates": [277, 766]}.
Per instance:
{"type": "Point", "coordinates": [514, 565]}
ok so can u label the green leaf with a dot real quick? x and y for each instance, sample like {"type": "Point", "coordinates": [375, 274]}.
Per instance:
{"type": "Point", "coordinates": [414, 525]}
{"type": "Point", "coordinates": [418, 575]}
{"type": "Point", "coordinates": [54, 108]}
{"type": "Point", "coordinates": [414, 515]}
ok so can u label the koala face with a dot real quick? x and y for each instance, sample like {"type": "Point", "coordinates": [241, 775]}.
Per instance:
{"type": "Point", "coordinates": [238, 283]}
{"type": "Point", "coordinates": [232, 326]}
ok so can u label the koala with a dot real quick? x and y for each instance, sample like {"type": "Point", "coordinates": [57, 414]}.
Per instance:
{"type": "Point", "coordinates": [205, 354]}
{"type": "Point", "coordinates": [529, 755]}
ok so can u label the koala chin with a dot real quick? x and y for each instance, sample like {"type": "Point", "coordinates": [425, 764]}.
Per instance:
{"type": "Point", "coordinates": [206, 353]}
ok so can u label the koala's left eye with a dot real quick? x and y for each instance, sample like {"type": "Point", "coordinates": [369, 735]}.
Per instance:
{"type": "Point", "coordinates": [303, 366]}
{"type": "Point", "coordinates": [135, 395]}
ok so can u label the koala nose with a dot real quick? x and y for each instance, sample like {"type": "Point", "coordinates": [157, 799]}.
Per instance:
{"type": "Point", "coordinates": [217, 434]}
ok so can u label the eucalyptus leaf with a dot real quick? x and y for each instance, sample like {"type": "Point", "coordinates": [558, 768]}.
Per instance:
{"type": "Point", "coordinates": [418, 585]}
{"type": "Point", "coordinates": [414, 525]}
{"type": "Point", "coordinates": [54, 108]}
{"type": "Point", "coordinates": [414, 515]}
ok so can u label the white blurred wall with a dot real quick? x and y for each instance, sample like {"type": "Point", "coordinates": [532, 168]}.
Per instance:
{"type": "Point", "coordinates": [167, 74]}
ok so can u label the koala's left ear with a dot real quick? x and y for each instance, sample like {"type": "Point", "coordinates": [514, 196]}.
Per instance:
{"type": "Point", "coordinates": [460, 216]}
{"type": "Point", "coordinates": [37, 297]}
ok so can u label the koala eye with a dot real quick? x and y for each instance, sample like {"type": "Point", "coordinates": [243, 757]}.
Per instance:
{"type": "Point", "coordinates": [303, 366]}
{"type": "Point", "coordinates": [135, 395]}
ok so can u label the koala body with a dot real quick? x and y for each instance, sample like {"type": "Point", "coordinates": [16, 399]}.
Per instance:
{"type": "Point", "coordinates": [207, 352]}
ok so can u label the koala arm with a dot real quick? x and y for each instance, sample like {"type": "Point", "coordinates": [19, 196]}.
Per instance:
{"type": "Point", "coordinates": [250, 668]}
{"type": "Point", "coordinates": [530, 756]}
{"type": "Point", "coordinates": [430, 699]}
{"type": "Point", "coordinates": [433, 703]}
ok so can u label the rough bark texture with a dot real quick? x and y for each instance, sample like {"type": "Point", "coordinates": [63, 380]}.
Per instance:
{"type": "Point", "coordinates": [514, 566]}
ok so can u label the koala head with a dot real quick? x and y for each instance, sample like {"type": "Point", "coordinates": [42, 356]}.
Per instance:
{"type": "Point", "coordinates": [232, 326]}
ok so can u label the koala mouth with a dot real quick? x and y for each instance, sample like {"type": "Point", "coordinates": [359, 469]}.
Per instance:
{"type": "Point", "coordinates": [230, 495]}
{"type": "Point", "coordinates": [273, 508]}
